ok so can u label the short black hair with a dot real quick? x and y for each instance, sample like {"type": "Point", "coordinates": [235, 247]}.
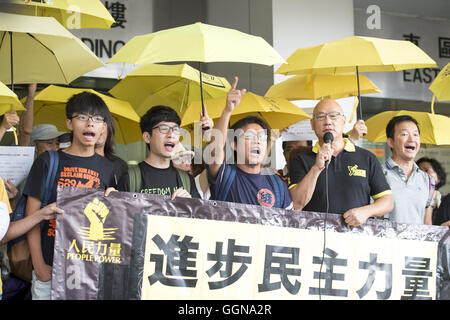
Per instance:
{"type": "Point", "coordinates": [440, 171]}
{"type": "Point", "coordinates": [108, 149]}
{"type": "Point", "coordinates": [283, 144]}
{"type": "Point", "coordinates": [86, 102]}
{"type": "Point", "coordinates": [390, 128]}
{"type": "Point", "coordinates": [156, 115]}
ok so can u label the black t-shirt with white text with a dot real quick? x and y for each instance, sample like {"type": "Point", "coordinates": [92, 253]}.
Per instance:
{"type": "Point", "coordinates": [82, 172]}
{"type": "Point", "coordinates": [159, 181]}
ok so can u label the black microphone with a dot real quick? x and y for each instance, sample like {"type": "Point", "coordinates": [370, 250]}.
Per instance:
{"type": "Point", "coordinates": [328, 139]}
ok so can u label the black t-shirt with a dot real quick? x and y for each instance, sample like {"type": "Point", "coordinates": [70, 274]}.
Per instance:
{"type": "Point", "coordinates": [120, 167]}
{"type": "Point", "coordinates": [159, 181]}
{"type": "Point", "coordinates": [354, 176]}
{"type": "Point", "coordinates": [83, 172]}
{"type": "Point", "coordinates": [442, 214]}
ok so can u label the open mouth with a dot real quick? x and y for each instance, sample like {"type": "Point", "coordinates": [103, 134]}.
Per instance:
{"type": "Point", "coordinates": [169, 146]}
{"type": "Point", "coordinates": [410, 147]}
{"type": "Point", "coordinates": [89, 135]}
{"type": "Point", "coordinates": [255, 151]}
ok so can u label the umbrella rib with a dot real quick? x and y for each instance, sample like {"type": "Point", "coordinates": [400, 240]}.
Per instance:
{"type": "Point", "coordinates": [51, 53]}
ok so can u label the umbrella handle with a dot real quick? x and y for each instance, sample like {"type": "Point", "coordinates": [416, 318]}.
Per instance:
{"type": "Point", "coordinates": [15, 136]}
{"type": "Point", "coordinates": [201, 94]}
{"type": "Point", "coordinates": [359, 95]}
{"type": "Point", "coordinates": [432, 104]}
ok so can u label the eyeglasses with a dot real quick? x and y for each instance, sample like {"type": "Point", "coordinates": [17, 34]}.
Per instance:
{"type": "Point", "coordinates": [252, 136]}
{"type": "Point", "coordinates": [332, 115]}
{"type": "Point", "coordinates": [164, 128]}
{"type": "Point", "coordinates": [85, 117]}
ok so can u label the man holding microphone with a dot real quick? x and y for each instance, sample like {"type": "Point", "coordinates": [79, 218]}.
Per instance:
{"type": "Point", "coordinates": [336, 176]}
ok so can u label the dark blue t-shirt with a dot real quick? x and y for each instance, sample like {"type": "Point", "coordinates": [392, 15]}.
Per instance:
{"type": "Point", "coordinates": [250, 188]}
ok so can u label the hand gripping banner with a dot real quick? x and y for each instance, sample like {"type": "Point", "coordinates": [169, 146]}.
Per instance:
{"type": "Point", "coordinates": [138, 246]}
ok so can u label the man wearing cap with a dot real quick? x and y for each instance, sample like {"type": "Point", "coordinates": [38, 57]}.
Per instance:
{"type": "Point", "coordinates": [45, 137]}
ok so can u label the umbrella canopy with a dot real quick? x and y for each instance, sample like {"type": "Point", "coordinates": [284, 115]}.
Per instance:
{"type": "Point", "coordinates": [315, 87]}
{"type": "Point", "coordinates": [172, 85]}
{"type": "Point", "coordinates": [441, 86]}
{"type": "Point", "coordinates": [360, 54]}
{"type": "Point", "coordinates": [369, 54]}
{"type": "Point", "coordinates": [72, 14]}
{"type": "Point", "coordinates": [279, 113]}
{"type": "Point", "coordinates": [434, 128]}
{"type": "Point", "coordinates": [50, 104]}
{"type": "Point", "coordinates": [42, 51]}
{"type": "Point", "coordinates": [8, 100]}
{"type": "Point", "coordinates": [197, 42]}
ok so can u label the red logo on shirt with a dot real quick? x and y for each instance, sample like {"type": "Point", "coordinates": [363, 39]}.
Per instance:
{"type": "Point", "coordinates": [266, 198]}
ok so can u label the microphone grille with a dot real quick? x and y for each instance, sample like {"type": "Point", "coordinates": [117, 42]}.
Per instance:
{"type": "Point", "coordinates": [328, 137]}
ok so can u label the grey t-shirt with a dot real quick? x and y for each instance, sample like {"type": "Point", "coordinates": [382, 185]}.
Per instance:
{"type": "Point", "coordinates": [411, 195]}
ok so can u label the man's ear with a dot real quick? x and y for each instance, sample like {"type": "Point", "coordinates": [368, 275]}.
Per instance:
{"type": "Point", "coordinates": [69, 124]}
{"type": "Point", "coordinates": [147, 137]}
{"type": "Point", "coordinates": [233, 145]}
{"type": "Point", "coordinates": [390, 143]}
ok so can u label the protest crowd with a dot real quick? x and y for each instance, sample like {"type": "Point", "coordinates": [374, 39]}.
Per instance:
{"type": "Point", "coordinates": [404, 189]}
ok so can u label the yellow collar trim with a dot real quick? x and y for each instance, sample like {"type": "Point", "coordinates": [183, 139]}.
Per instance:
{"type": "Point", "coordinates": [349, 146]}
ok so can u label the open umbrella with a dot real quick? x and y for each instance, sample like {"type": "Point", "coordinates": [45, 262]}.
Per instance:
{"type": "Point", "coordinates": [441, 86]}
{"type": "Point", "coordinates": [319, 86]}
{"type": "Point", "coordinates": [360, 54]}
{"type": "Point", "coordinates": [172, 85]}
{"type": "Point", "coordinates": [197, 42]}
{"type": "Point", "coordinates": [50, 104]}
{"type": "Point", "coordinates": [9, 100]}
{"type": "Point", "coordinates": [279, 113]}
{"type": "Point", "coordinates": [39, 49]}
{"type": "Point", "coordinates": [434, 128]}
{"type": "Point", "coordinates": [72, 14]}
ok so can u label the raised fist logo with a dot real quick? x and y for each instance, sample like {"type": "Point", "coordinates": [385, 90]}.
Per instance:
{"type": "Point", "coordinates": [96, 212]}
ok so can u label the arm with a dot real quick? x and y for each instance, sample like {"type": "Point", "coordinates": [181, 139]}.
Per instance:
{"type": "Point", "coordinates": [381, 206]}
{"type": "Point", "coordinates": [303, 191]}
{"type": "Point", "coordinates": [43, 271]}
{"type": "Point", "coordinates": [358, 130]}
{"type": "Point", "coordinates": [220, 129]}
{"type": "Point", "coordinates": [20, 227]}
{"type": "Point", "coordinates": [428, 215]}
{"type": "Point", "coordinates": [26, 119]}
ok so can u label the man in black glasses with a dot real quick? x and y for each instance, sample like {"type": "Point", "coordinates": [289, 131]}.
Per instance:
{"type": "Point", "coordinates": [77, 166]}
{"type": "Point", "coordinates": [161, 131]}
{"type": "Point", "coordinates": [354, 174]}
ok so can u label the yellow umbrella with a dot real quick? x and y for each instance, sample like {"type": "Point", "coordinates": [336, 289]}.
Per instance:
{"type": "Point", "coordinates": [197, 42]}
{"type": "Point", "coordinates": [441, 86]}
{"type": "Point", "coordinates": [50, 104]}
{"type": "Point", "coordinates": [42, 51]}
{"type": "Point", "coordinates": [279, 113]}
{"type": "Point", "coordinates": [72, 14]}
{"type": "Point", "coordinates": [369, 54]}
{"type": "Point", "coordinates": [172, 85]}
{"type": "Point", "coordinates": [318, 86]}
{"type": "Point", "coordinates": [360, 54]}
{"type": "Point", "coordinates": [9, 100]}
{"type": "Point", "coordinates": [434, 128]}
